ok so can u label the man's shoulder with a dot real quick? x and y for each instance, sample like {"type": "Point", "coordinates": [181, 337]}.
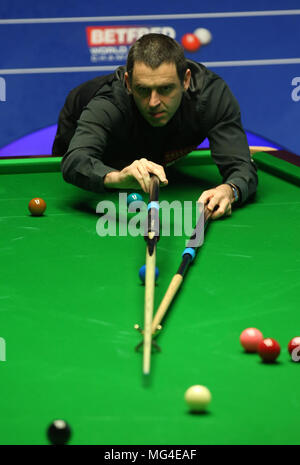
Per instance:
{"type": "Point", "coordinates": [109, 86]}
{"type": "Point", "coordinates": [209, 94]}
{"type": "Point", "coordinates": [208, 97]}
{"type": "Point", "coordinates": [114, 98]}
{"type": "Point", "coordinates": [203, 78]}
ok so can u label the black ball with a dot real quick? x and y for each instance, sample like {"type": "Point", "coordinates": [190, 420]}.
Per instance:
{"type": "Point", "coordinates": [59, 432]}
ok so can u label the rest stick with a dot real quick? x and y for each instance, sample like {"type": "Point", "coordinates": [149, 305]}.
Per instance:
{"type": "Point", "coordinates": [187, 257]}
{"type": "Point", "coordinates": [166, 301]}
{"type": "Point", "coordinates": [152, 236]}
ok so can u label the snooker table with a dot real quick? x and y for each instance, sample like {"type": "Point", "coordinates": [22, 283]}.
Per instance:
{"type": "Point", "coordinates": [69, 300]}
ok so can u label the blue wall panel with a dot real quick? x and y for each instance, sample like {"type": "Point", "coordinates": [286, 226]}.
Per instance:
{"type": "Point", "coordinates": [258, 56]}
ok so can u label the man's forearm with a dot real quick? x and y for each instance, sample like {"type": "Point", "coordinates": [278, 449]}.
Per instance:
{"type": "Point", "coordinates": [84, 171]}
{"type": "Point", "coordinates": [240, 171]}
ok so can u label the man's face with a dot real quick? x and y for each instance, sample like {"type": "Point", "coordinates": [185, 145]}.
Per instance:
{"type": "Point", "coordinates": [157, 92]}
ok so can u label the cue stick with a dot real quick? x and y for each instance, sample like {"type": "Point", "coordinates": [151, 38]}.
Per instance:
{"type": "Point", "coordinates": [187, 257]}
{"type": "Point", "coordinates": [254, 149]}
{"type": "Point", "coordinates": [151, 237]}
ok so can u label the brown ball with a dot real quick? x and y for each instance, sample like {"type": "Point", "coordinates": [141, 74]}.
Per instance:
{"type": "Point", "coordinates": [37, 206]}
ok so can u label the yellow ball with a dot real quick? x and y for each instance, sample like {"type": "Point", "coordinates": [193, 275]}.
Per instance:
{"type": "Point", "coordinates": [197, 398]}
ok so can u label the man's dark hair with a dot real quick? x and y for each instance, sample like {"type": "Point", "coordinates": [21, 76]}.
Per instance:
{"type": "Point", "coordinates": [155, 49]}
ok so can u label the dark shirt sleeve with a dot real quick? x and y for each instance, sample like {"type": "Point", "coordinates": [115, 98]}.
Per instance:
{"type": "Point", "coordinates": [84, 163]}
{"type": "Point", "coordinates": [229, 145]}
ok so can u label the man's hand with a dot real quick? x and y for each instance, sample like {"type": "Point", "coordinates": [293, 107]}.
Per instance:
{"type": "Point", "coordinates": [136, 175]}
{"type": "Point", "coordinates": [221, 197]}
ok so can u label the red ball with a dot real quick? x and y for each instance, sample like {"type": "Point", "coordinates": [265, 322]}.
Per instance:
{"type": "Point", "coordinates": [250, 338]}
{"type": "Point", "coordinates": [190, 42]}
{"type": "Point", "coordinates": [37, 206]}
{"type": "Point", "coordinates": [268, 349]}
{"type": "Point", "coordinates": [294, 348]}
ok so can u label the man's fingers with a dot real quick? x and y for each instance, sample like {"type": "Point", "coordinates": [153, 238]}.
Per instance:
{"type": "Point", "coordinates": [205, 198]}
{"type": "Point", "coordinates": [142, 177]}
{"type": "Point", "coordinates": [221, 211]}
{"type": "Point", "coordinates": [156, 169]}
{"type": "Point", "coordinates": [140, 171]}
{"type": "Point", "coordinates": [216, 203]}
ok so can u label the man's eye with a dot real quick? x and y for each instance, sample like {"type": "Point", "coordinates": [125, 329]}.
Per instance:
{"type": "Point", "coordinates": [165, 89]}
{"type": "Point", "coordinates": [143, 90]}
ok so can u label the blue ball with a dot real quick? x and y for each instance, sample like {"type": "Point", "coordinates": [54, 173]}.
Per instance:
{"type": "Point", "coordinates": [142, 273]}
{"type": "Point", "coordinates": [133, 198]}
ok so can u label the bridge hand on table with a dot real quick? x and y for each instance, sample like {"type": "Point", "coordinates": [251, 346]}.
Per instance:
{"type": "Point", "coordinates": [219, 198]}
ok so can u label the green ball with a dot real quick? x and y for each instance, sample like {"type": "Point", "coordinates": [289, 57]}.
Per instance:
{"type": "Point", "coordinates": [133, 198]}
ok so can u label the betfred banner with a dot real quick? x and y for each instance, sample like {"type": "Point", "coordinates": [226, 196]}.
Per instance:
{"type": "Point", "coordinates": [112, 43]}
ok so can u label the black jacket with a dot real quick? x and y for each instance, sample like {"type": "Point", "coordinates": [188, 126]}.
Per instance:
{"type": "Point", "coordinates": [100, 130]}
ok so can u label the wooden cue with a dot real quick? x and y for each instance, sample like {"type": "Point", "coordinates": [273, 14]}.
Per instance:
{"type": "Point", "coordinates": [149, 305]}
{"type": "Point", "coordinates": [176, 280]}
{"type": "Point", "coordinates": [150, 279]}
{"type": "Point", "coordinates": [254, 149]}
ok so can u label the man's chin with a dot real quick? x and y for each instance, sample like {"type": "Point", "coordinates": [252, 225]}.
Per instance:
{"type": "Point", "coordinates": [159, 123]}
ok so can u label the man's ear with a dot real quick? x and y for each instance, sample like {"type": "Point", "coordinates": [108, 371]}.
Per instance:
{"type": "Point", "coordinates": [126, 76]}
{"type": "Point", "coordinates": [187, 79]}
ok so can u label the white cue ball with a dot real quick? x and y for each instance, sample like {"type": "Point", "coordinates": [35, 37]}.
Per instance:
{"type": "Point", "coordinates": [197, 398]}
{"type": "Point", "coordinates": [204, 35]}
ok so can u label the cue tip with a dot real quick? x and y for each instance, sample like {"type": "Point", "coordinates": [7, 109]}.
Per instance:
{"type": "Point", "coordinates": [138, 328]}
{"type": "Point", "coordinates": [157, 330]}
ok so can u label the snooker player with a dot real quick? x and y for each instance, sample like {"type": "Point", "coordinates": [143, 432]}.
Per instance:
{"type": "Point", "coordinates": [116, 130]}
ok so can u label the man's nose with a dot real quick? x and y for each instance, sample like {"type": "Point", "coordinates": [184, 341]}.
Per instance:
{"type": "Point", "coordinates": [154, 99]}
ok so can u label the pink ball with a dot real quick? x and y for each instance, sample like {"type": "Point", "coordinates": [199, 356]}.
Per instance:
{"type": "Point", "coordinates": [250, 338]}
